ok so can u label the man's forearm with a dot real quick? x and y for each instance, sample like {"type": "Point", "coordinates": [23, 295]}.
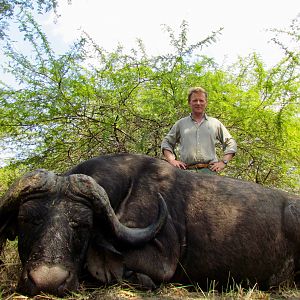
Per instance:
{"type": "Point", "coordinates": [168, 155]}
{"type": "Point", "coordinates": [228, 157]}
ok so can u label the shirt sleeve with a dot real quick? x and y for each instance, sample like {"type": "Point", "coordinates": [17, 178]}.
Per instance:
{"type": "Point", "coordinates": [171, 139]}
{"type": "Point", "coordinates": [229, 144]}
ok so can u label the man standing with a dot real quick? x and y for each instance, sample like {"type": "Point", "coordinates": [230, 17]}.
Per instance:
{"type": "Point", "coordinates": [197, 135]}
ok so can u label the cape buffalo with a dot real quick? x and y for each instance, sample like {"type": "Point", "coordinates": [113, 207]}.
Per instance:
{"type": "Point", "coordinates": [136, 218]}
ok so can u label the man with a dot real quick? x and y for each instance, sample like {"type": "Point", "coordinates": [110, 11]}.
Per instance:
{"type": "Point", "coordinates": [197, 135]}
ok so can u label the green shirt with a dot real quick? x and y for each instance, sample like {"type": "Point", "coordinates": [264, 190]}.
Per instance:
{"type": "Point", "coordinates": [197, 142]}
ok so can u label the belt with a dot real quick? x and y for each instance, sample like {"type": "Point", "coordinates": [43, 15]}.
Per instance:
{"type": "Point", "coordinates": [198, 166]}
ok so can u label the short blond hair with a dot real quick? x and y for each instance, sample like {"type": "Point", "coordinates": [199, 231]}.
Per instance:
{"type": "Point", "coordinates": [196, 89]}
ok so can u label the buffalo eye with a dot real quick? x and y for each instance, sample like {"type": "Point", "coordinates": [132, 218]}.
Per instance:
{"type": "Point", "coordinates": [80, 216]}
{"type": "Point", "coordinates": [74, 224]}
{"type": "Point", "coordinates": [29, 219]}
{"type": "Point", "coordinates": [32, 212]}
{"type": "Point", "coordinates": [80, 224]}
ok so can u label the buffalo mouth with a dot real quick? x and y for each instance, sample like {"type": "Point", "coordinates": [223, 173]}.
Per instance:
{"type": "Point", "coordinates": [55, 280]}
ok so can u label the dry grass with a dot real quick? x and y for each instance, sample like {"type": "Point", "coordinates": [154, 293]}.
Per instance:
{"type": "Point", "coordinates": [10, 271]}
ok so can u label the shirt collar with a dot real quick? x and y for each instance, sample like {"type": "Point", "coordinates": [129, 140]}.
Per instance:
{"type": "Point", "coordinates": [205, 117]}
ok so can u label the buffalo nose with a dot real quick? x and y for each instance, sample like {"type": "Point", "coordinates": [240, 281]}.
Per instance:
{"type": "Point", "coordinates": [46, 278]}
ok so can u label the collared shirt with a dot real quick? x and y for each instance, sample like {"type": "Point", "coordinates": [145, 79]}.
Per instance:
{"type": "Point", "coordinates": [197, 141]}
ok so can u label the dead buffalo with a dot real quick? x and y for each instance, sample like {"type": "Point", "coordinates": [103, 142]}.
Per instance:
{"type": "Point", "coordinates": [137, 218]}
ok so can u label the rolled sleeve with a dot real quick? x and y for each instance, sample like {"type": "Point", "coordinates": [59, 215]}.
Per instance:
{"type": "Point", "coordinates": [229, 144]}
{"type": "Point", "coordinates": [170, 139]}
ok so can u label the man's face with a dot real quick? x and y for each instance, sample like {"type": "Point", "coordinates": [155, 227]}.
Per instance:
{"type": "Point", "coordinates": [198, 103]}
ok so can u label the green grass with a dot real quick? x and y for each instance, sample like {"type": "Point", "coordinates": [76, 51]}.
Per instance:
{"type": "Point", "coordinates": [9, 273]}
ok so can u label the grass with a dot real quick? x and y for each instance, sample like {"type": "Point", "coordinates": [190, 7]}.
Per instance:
{"type": "Point", "coordinates": [10, 270]}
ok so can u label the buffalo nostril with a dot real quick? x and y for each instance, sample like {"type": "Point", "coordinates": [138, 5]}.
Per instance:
{"type": "Point", "coordinates": [46, 278]}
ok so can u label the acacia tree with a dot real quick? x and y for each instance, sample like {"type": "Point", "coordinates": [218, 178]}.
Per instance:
{"type": "Point", "coordinates": [88, 102]}
{"type": "Point", "coordinates": [9, 9]}
{"type": "Point", "coordinates": [270, 116]}
{"type": "Point", "coordinates": [268, 144]}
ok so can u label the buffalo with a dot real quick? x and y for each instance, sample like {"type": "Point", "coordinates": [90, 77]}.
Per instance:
{"type": "Point", "coordinates": [135, 218]}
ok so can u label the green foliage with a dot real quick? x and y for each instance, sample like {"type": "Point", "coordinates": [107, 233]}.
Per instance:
{"type": "Point", "coordinates": [89, 102]}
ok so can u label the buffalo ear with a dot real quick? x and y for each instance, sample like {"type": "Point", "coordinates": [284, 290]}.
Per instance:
{"type": "Point", "coordinates": [102, 243]}
{"type": "Point", "coordinates": [8, 230]}
{"type": "Point", "coordinates": [38, 181]}
{"type": "Point", "coordinates": [11, 230]}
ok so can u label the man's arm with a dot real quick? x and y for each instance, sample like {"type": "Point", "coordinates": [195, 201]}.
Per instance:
{"type": "Point", "coordinates": [220, 165]}
{"type": "Point", "coordinates": [170, 157]}
{"type": "Point", "coordinates": [168, 145]}
{"type": "Point", "coordinates": [229, 147]}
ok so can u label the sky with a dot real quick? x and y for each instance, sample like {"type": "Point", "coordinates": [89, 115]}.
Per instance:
{"type": "Point", "coordinates": [113, 22]}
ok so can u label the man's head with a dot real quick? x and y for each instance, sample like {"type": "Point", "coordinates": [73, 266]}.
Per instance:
{"type": "Point", "coordinates": [197, 89]}
{"type": "Point", "coordinates": [197, 99]}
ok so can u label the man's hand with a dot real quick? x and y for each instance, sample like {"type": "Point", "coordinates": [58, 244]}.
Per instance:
{"type": "Point", "coordinates": [170, 157]}
{"type": "Point", "coordinates": [217, 166]}
{"type": "Point", "coordinates": [178, 164]}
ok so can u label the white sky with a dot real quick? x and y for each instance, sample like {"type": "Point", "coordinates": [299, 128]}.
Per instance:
{"type": "Point", "coordinates": [110, 22]}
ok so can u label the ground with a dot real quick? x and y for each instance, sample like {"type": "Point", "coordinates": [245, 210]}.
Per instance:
{"type": "Point", "coordinates": [10, 270]}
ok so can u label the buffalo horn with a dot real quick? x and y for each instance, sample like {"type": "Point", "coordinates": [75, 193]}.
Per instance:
{"type": "Point", "coordinates": [86, 186]}
{"type": "Point", "coordinates": [37, 181]}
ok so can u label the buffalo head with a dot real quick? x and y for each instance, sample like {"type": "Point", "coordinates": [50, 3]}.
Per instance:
{"type": "Point", "coordinates": [54, 218]}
